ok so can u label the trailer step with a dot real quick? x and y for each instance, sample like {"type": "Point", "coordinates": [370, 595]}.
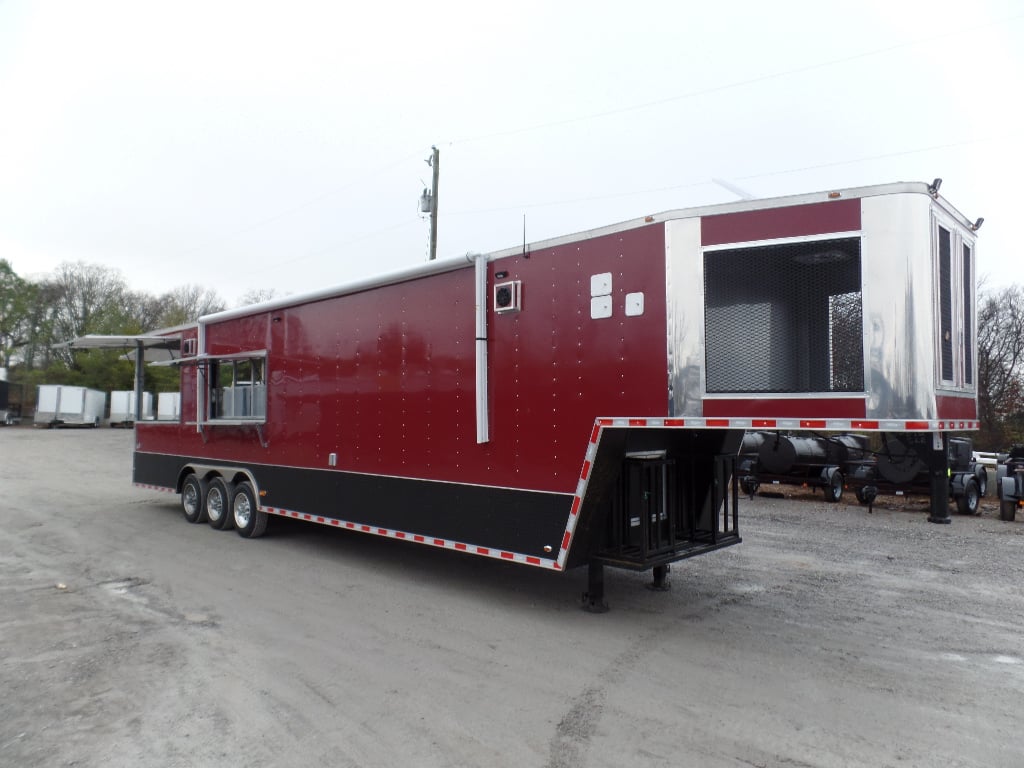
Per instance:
{"type": "Point", "coordinates": [633, 559]}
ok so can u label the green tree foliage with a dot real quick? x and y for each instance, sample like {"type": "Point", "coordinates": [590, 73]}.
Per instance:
{"type": "Point", "coordinates": [16, 299]}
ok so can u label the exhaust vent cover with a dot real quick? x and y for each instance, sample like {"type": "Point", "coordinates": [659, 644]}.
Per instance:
{"type": "Point", "coordinates": [508, 296]}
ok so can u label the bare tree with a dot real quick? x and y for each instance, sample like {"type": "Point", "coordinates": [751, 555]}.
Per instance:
{"type": "Point", "coordinates": [187, 303]}
{"type": "Point", "coordinates": [88, 298]}
{"type": "Point", "coordinates": [256, 296]}
{"type": "Point", "coordinates": [1000, 359]}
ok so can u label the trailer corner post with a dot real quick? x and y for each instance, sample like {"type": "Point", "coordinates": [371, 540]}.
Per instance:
{"type": "Point", "coordinates": [938, 473]}
{"type": "Point", "coordinates": [140, 358]}
{"type": "Point", "coordinates": [480, 273]}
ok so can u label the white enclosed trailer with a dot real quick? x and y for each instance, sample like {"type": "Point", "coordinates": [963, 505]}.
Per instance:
{"type": "Point", "coordinates": [168, 406]}
{"type": "Point", "coordinates": [122, 408]}
{"type": "Point", "coordinates": [61, 405]}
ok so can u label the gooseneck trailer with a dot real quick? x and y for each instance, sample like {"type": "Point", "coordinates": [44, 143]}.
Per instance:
{"type": "Point", "coordinates": [581, 400]}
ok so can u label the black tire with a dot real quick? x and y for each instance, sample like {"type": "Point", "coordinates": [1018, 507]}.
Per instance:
{"type": "Point", "coordinates": [193, 499]}
{"type": "Point", "coordinates": [750, 485]}
{"type": "Point", "coordinates": [1008, 509]}
{"type": "Point", "coordinates": [218, 504]}
{"type": "Point", "coordinates": [249, 520]}
{"type": "Point", "coordinates": [967, 502]}
{"type": "Point", "coordinates": [834, 489]}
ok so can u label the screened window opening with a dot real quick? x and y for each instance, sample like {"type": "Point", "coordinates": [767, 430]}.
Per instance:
{"type": "Point", "coordinates": [785, 318]}
{"type": "Point", "coordinates": [238, 389]}
{"type": "Point", "coordinates": [968, 319]}
{"type": "Point", "coordinates": [946, 303]}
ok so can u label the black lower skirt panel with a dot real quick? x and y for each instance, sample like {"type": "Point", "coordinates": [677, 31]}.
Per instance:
{"type": "Point", "coordinates": [524, 522]}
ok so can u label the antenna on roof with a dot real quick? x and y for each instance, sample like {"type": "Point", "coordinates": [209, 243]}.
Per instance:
{"type": "Point", "coordinates": [738, 191]}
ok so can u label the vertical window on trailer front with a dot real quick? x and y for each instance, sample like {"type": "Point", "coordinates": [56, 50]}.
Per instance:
{"type": "Point", "coordinates": [946, 303]}
{"type": "Point", "coordinates": [786, 317]}
{"type": "Point", "coordinates": [955, 315]}
{"type": "Point", "coordinates": [968, 316]}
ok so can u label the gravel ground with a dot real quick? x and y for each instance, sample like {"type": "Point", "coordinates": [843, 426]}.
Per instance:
{"type": "Point", "coordinates": [830, 637]}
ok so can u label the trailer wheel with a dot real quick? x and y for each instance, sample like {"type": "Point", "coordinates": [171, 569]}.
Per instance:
{"type": "Point", "coordinates": [750, 485]}
{"type": "Point", "coordinates": [834, 489]}
{"type": "Point", "coordinates": [982, 481]}
{"type": "Point", "coordinates": [250, 522]}
{"type": "Point", "coordinates": [967, 502]}
{"type": "Point", "coordinates": [218, 504]}
{"type": "Point", "coordinates": [1008, 509]}
{"type": "Point", "coordinates": [193, 499]}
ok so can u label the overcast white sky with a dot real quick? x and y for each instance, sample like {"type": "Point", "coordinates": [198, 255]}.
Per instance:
{"type": "Point", "coordinates": [250, 145]}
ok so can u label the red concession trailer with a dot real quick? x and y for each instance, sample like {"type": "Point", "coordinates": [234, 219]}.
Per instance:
{"type": "Point", "coordinates": [581, 400]}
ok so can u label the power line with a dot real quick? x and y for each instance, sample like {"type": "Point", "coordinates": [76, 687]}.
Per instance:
{"type": "Point", "coordinates": [766, 174]}
{"type": "Point", "coordinates": [959, 32]}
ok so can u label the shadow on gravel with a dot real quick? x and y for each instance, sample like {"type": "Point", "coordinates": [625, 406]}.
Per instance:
{"type": "Point", "coordinates": [490, 580]}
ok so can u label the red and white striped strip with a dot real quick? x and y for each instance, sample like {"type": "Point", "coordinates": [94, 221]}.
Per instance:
{"type": "Point", "coordinates": [433, 541]}
{"type": "Point", "coordinates": [154, 487]}
{"type": "Point", "coordinates": [826, 425]}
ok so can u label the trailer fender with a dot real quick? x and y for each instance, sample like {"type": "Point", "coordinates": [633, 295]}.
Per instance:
{"type": "Point", "coordinates": [230, 474]}
{"type": "Point", "coordinates": [1000, 476]}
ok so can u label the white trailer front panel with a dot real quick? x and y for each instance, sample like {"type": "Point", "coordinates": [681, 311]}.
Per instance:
{"type": "Point", "coordinates": [168, 407]}
{"type": "Point", "coordinates": [122, 407]}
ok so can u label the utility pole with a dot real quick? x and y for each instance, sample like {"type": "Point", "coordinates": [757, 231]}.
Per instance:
{"type": "Point", "coordinates": [435, 163]}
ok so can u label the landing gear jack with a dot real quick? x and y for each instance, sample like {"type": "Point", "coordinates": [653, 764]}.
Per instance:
{"type": "Point", "coordinates": [593, 598]}
{"type": "Point", "coordinates": [660, 583]}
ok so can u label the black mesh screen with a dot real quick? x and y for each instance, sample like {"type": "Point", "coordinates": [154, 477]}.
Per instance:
{"type": "Point", "coordinates": [946, 303]}
{"type": "Point", "coordinates": [968, 319]}
{"type": "Point", "coordinates": [785, 318]}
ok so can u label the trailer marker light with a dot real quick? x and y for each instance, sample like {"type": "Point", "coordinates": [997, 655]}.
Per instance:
{"type": "Point", "coordinates": [834, 195]}
{"type": "Point", "coordinates": [547, 547]}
